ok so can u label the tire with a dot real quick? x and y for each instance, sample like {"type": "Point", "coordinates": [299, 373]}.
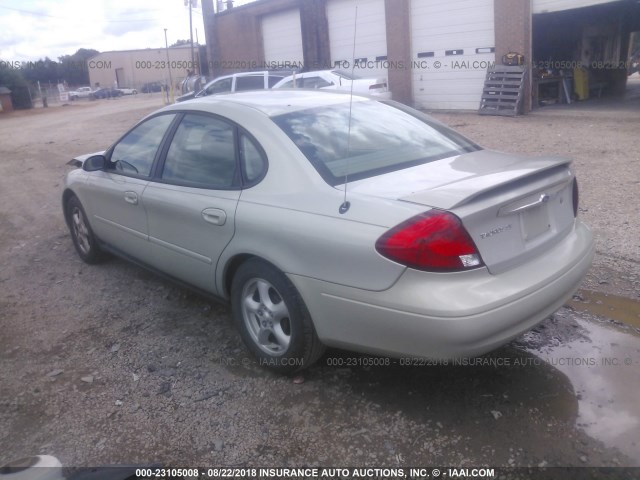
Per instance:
{"type": "Point", "coordinates": [84, 240]}
{"type": "Point", "coordinates": [272, 318]}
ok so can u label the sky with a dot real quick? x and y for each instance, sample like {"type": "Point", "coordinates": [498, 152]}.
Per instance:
{"type": "Point", "coordinates": [35, 29]}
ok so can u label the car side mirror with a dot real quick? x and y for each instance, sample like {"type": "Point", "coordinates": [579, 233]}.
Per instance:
{"type": "Point", "coordinates": [94, 163]}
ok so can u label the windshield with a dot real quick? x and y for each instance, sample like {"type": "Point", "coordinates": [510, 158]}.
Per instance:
{"type": "Point", "coordinates": [383, 138]}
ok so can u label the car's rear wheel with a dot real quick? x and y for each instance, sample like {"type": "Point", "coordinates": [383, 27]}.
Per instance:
{"type": "Point", "coordinates": [83, 238]}
{"type": "Point", "coordinates": [272, 318]}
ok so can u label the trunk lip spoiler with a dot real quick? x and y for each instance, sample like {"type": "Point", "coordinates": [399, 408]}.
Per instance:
{"type": "Point", "coordinates": [444, 198]}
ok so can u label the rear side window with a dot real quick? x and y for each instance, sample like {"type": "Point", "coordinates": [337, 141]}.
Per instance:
{"type": "Point", "coordinates": [254, 164]}
{"type": "Point", "coordinates": [252, 82]}
{"type": "Point", "coordinates": [135, 152]}
{"type": "Point", "coordinates": [202, 153]}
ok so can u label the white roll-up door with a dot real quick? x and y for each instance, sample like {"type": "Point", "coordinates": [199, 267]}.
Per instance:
{"type": "Point", "coordinates": [453, 43]}
{"type": "Point", "coordinates": [371, 35]}
{"type": "Point", "coordinates": [282, 37]}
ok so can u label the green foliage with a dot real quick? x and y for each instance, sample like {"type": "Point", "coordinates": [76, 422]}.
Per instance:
{"type": "Point", "coordinates": [73, 68]}
{"type": "Point", "coordinates": [70, 68]}
{"type": "Point", "coordinates": [43, 70]}
{"type": "Point", "coordinates": [12, 79]}
{"type": "Point", "coordinates": [179, 43]}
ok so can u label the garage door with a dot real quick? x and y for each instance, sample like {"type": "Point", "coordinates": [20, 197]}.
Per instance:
{"type": "Point", "coordinates": [282, 37]}
{"type": "Point", "coordinates": [371, 35]}
{"type": "Point", "coordinates": [453, 43]}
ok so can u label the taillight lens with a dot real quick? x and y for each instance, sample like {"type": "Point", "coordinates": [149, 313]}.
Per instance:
{"type": "Point", "coordinates": [435, 241]}
{"type": "Point", "coordinates": [576, 197]}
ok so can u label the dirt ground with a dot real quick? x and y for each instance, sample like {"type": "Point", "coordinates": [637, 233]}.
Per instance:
{"type": "Point", "coordinates": [109, 364]}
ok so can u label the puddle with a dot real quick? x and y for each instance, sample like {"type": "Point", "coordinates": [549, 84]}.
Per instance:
{"type": "Point", "coordinates": [602, 362]}
{"type": "Point", "coordinates": [617, 308]}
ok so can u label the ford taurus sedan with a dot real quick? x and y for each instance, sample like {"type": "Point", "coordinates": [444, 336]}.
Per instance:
{"type": "Point", "coordinates": [325, 220]}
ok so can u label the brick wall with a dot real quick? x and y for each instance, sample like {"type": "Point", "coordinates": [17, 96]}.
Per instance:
{"type": "Point", "coordinates": [315, 34]}
{"type": "Point", "coordinates": [513, 34]}
{"type": "Point", "coordinates": [399, 49]}
{"type": "Point", "coordinates": [234, 37]}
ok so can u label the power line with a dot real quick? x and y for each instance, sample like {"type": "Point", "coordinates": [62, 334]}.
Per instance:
{"type": "Point", "coordinates": [40, 14]}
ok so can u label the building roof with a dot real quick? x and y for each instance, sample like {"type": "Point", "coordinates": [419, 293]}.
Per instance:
{"type": "Point", "coordinates": [4, 90]}
{"type": "Point", "coordinates": [137, 50]}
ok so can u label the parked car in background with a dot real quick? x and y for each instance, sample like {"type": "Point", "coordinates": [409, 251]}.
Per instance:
{"type": "Point", "coordinates": [105, 93]}
{"type": "Point", "coordinates": [437, 249]}
{"type": "Point", "coordinates": [337, 80]}
{"type": "Point", "coordinates": [127, 91]}
{"type": "Point", "coordinates": [80, 92]}
{"type": "Point", "coordinates": [151, 87]}
{"type": "Point", "coordinates": [238, 82]}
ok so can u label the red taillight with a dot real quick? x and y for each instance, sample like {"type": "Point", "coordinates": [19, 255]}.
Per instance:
{"type": "Point", "coordinates": [434, 240]}
{"type": "Point", "coordinates": [576, 197]}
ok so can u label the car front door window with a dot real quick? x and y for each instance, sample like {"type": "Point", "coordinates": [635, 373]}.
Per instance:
{"type": "Point", "coordinates": [220, 86]}
{"type": "Point", "coordinates": [134, 154]}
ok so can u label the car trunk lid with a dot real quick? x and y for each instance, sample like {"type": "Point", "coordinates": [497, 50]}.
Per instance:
{"type": "Point", "coordinates": [512, 206]}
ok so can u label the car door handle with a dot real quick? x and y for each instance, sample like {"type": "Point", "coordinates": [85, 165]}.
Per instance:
{"type": "Point", "coordinates": [214, 215]}
{"type": "Point", "coordinates": [131, 197]}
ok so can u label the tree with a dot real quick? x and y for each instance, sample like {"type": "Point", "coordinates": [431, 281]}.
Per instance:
{"type": "Point", "coordinates": [70, 68]}
{"type": "Point", "coordinates": [12, 79]}
{"type": "Point", "coordinates": [179, 43]}
{"type": "Point", "coordinates": [43, 71]}
{"type": "Point", "coordinates": [73, 68]}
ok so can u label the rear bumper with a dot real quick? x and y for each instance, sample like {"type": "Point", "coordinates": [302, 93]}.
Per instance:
{"type": "Point", "coordinates": [449, 315]}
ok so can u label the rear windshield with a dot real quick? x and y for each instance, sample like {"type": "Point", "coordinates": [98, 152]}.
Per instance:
{"type": "Point", "coordinates": [383, 139]}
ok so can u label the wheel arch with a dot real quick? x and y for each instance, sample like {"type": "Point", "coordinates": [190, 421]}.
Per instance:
{"type": "Point", "coordinates": [233, 264]}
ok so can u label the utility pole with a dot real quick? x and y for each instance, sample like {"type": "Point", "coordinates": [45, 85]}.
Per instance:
{"type": "Point", "coordinates": [166, 44]}
{"type": "Point", "coordinates": [193, 64]}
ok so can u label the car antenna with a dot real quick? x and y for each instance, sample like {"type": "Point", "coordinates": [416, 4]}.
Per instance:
{"type": "Point", "coordinates": [344, 208]}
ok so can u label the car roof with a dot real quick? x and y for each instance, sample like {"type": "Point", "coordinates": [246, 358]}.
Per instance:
{"type": "Point", "coordinates": [271, 102]}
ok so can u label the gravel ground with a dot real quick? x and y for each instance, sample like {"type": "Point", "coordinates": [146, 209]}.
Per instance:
{"type": "Point", "coordinates": [109, 364]}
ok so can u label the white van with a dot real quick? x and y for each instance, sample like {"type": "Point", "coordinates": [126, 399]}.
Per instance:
{"type": "Point", "coordinates": [237, 82]}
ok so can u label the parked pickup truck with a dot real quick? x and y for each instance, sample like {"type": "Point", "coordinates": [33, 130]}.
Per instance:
{"type": "Point", "coordinates": [80, 92]}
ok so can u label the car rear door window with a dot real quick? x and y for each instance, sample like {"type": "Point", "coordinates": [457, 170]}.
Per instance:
{"type": "Point", "coordinates": [202, 153]}
{"type": "Point", "coordinates": [135, 152]}
{"type": "Point", "coordinates": [251, 82]}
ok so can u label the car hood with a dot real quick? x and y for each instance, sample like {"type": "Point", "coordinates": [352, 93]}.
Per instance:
{"type": "Point", "coordinates": [80, 159]}
{"type": "Point", "coordinates": [454, 181]}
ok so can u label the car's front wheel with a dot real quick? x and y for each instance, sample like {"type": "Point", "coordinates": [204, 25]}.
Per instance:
{"type": "Point", "coordinates": [83, 238]}
{"type": "Point", "coordinates": [272, 318]}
